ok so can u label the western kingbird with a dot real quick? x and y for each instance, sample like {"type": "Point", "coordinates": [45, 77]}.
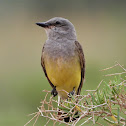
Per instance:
{"type": "Point", "coordinates": [62, 57]}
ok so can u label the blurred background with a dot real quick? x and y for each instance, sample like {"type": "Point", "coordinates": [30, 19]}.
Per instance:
{"type": "Point", "coordinates": [101, 30]}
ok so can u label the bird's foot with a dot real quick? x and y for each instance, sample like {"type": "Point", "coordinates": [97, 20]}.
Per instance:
{"type": "Point", "coordinates": [54, 92]}
{"type": "Point", "coordinates": [71, 93]}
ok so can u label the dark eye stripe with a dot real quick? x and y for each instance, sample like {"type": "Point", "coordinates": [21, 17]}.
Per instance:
{"type": "Point", "coordinates": [57, 22]}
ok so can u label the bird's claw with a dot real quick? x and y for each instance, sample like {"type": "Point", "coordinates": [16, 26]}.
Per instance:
{"type": "Point", "coordinates": [71, 93]}
{"type": "Point", "coordinates": [54, 92]}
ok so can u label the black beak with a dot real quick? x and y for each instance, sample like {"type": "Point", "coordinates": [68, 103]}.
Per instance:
{"type": "Point", "coordinates": [43, 24]}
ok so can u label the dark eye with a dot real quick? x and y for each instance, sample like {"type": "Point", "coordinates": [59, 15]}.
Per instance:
{"type": "Point", "coordinates": [57, 22]}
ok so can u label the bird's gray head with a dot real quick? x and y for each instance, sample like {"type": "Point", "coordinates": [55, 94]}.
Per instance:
{"type": "Point", "coordinates": [59, 28]}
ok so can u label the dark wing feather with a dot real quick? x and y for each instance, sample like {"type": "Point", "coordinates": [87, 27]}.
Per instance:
{"type": "Point", "coordinates": [44, 69]}
{"type": "Point", "coordinates": [82, 63]}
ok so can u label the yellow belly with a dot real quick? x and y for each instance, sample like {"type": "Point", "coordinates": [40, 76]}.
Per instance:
{"type": "Point", "coordinates": [65, 75]}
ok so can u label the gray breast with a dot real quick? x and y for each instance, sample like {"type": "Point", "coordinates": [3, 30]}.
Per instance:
{"type": "Point", "coordinates": [64, 49]}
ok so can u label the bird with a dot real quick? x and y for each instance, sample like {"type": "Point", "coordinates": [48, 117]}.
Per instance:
{"type": "Point", "coordinates": [62, 58]}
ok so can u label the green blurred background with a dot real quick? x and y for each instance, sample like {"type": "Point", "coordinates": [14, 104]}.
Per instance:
{"type": "Point", "coordinates": [101, 29]}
